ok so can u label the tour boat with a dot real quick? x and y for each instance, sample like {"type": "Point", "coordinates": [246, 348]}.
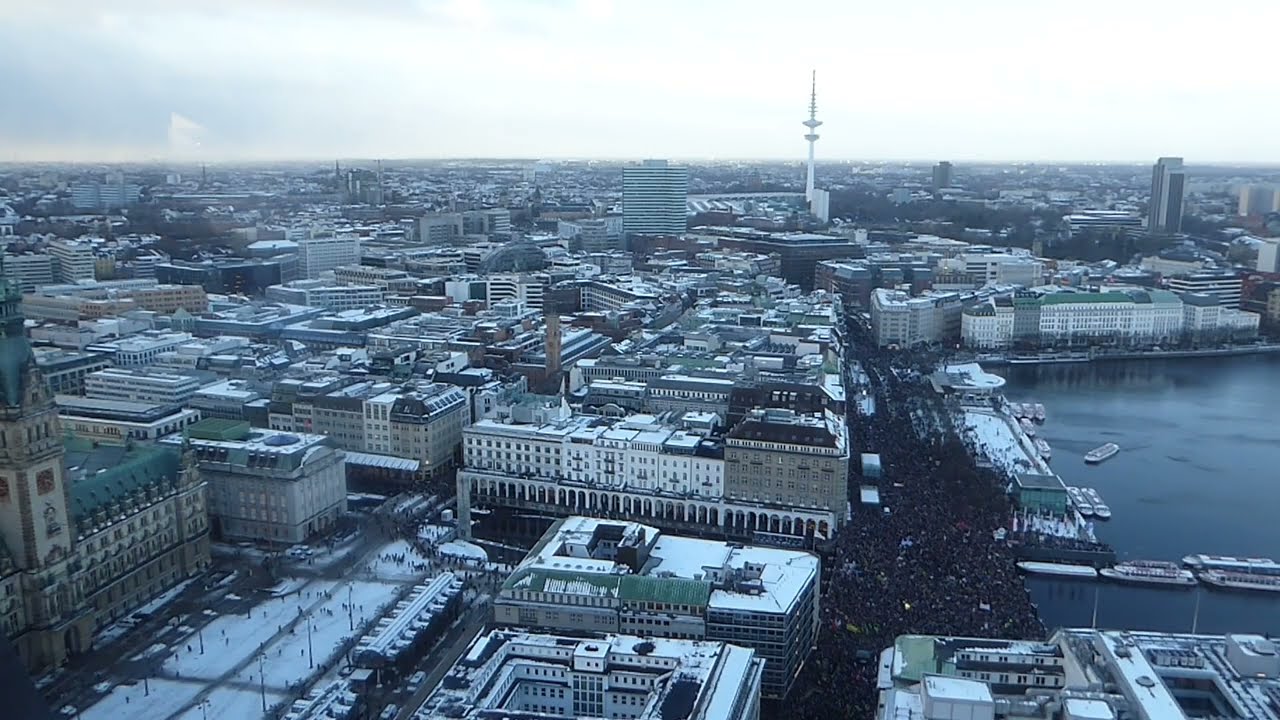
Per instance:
{"type": "Point", "coordinates": [1048, 568]}
{"type": "Point", "coordinates": [1027, 427]}
{"type": "Point", "coordinates": [1099, 454]}
{"type": "Point", "coordinates": [1093, 498]}
{"type": "Point", "coordinates": [1042, 447]}
{"type": "Point", "coordinates": [1241, 580]}
{"type": "Point", "coordinates": [1253, 566]}
{"type": "Point", "coordinates": [1154, 572]}
{"type": "Point", "coordinates": [1037, 412]}
{"type": "Point", "coordinates": [1083, 506]}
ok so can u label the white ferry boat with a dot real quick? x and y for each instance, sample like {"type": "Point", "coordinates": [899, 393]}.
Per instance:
{"type": "Point", "coordinates": [1153, 572]}
{"type": "Point", "coordinates": [1098, 454]}
{"type": "Point", "coordinates": [1083, 506]}
{"type": "Point", "coordinates": [1042, 447]}
{"type": "Point", "coordinates": [1093, 498]}
{"type": "Point", "coordinates": [1027, 427]}
{"type": "Point", "coordinates": [1048, 568]}
{"type": "Point", "coordinates": [1253, 566]}
{"type": "Point", "coordinates": [1037, 412]}
{"type": "Point", "coordinates": [1241, 580]}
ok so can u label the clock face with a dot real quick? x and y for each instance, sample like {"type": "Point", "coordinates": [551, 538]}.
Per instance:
{"type": "Point", "coordinates": [45, 483]}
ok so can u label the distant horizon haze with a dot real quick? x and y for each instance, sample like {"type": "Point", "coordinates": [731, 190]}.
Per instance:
{"type": "Point", "coordinates": [980, 82]}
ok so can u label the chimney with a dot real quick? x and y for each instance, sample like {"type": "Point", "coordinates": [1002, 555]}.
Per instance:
{"type": "Point", "coordinates": [551, 319]}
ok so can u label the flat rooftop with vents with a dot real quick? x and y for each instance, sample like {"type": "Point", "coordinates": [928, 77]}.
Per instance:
{"type": "Point", "coordinates": [523, 676]}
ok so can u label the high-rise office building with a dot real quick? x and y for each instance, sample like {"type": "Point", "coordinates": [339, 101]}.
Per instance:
{"type": "Point", "coordinates": [1168, 187]}
{"type": "Point", "coordinates": [1258, 200]}
{"type": "Point", "coordinates": [942, 175]}
{"type": "Point", "coordinates": [653, 198]}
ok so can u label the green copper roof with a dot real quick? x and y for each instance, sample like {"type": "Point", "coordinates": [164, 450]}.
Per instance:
{"type": "Point", "coordinates": [113, 472]}
{"type": "Point", "coordinates": [1068, 298]}
{"type": "Point", "coordinates": [676, 591]}
{"type": "Point", "coordinates": [564, 581]}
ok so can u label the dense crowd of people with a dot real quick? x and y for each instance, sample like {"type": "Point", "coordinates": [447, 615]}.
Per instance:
{"type": "Point", "coordinates": [926, 562]}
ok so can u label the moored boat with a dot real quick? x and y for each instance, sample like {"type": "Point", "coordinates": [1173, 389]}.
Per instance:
{"type": "Point", "coordinates": [1254, 566]}
{"type": "Point", "coordinates": [1241, 580]}
{"type": "Point", "coordinates": [1042, 447]}
{"type": "Point", "coordinates": [1037, 412]}
{"type": "Point", "coordinates": [1083, 506]}
{"type": "Point", "coordinates": [1092, 497]}
{"type": "Point", "coordinates": [1063, 569]}
{"type": "Point", "coordinates": [1027, 427]}
{"type": "Point", "coordinates": [1151, 572]}
{"type": "Point", "coordinates": [1104, 452]}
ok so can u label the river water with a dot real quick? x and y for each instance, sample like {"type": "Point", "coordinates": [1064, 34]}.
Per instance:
{"type": "Point", "coordinates": [1199, 472]}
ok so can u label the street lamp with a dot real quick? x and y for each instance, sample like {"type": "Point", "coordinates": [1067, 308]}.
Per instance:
{"type": "Point", "coordinates": [311, 662]}
{"type": "Point", "coordinates": [262, 682]}
{"type": "Point", "coordinates": [204, 715]}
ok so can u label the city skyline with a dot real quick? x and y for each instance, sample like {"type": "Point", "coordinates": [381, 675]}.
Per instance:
{"type": "Point", "coordinates": [600, 79]}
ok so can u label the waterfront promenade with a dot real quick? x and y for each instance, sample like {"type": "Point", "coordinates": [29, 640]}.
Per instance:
{"type": "Point", "coordinates": [1102, 355]}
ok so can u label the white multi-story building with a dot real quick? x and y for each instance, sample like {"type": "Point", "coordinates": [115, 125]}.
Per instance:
{"type": "Point", "coordinates": [317, 255]}
{"type": "Point", "coordinates": [905, 321]}
{"type": "Point", "coordinates": [622, 576]}
{"type": "Point", "coordinates": [325, 294]}
{"type": "Point", "coordinates": [110, 195]}
{"type": "Point", "coordinates": [1268, 256]}
{"type": "Point", "coordinates": [389, 279]}
{"type": "Point", "coordinates": [528, 289]}
{"type": "Point", "coordinates": [142, 348]}
{"type": "Point", "coordinates": [1128, 317]}
{"type": "Point", "coordinates": [997, 268]}
{"type": "Point", "coordinates": [1206, 320]}
{"type": "Point", "coordinates": [638, 453]}
{"type": "Point", "coordinates": [1226, 285]}
{"type": "Point", "coordinates": [654, 198]}
{"type": "Point", "coordinates": [424, 422]}
{"type": "Point", "coordinates": [29, 270]}
{"type": "Point", "coordinates": [1088, 674]}
{"type": "Point", "coordinates": [141, 385]}
{"type": "Point", "coordinates": [618, 676]}
{"type": "Point", "coordinates": [120, 420]}
{"type": "Point", "coordinates": [599, 234]}
{"type": "Point", "coordinates": [674, 476]}
{"type": "Point", "coordinates": [72, 260]}
{"type": "Point", "coordinates": [266, 485]}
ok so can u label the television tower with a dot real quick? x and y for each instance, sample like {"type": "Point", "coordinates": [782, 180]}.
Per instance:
{"type": "Point", "coordinates": [812, 123]}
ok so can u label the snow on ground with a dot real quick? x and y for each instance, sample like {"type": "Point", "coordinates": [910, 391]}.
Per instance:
{"type": "Point", "coordinates": [288, 586]}
{"type": "Point", "coordinates": [385, 567]}
{"type": "Point", "coordinates": [228, 703]}
{"type": "Point", "coordinates": [115, 630]}
{"type": "Point", "coordinates": [992, 435]}
{"type": "Point", "coordinates": [231, 638]}
{"type": "Point", "coordinates": [287, 658]}
{"type": "Point", "coordinates": [166, 698]}
{"type": "Point", "coordinates": [435, 533]}
{"type": "Point", "coordinates": [464, 550]}
{"type": "Point", "coordinates": [324, 557]}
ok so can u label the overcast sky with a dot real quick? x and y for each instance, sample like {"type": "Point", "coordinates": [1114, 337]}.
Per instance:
{"type": "Point", "coordinates": [1119, 80]}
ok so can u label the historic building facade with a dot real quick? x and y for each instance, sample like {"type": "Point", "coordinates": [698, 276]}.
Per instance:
{"type": "Point", "coordinates": [80, 548]}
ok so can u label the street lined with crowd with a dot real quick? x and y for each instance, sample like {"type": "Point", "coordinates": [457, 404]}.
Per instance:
{"type": "Point", "coordinates": [926, 561]}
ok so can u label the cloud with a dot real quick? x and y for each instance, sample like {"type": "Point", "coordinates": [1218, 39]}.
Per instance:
{"type": "Point", "coordinates": [448, 78]}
